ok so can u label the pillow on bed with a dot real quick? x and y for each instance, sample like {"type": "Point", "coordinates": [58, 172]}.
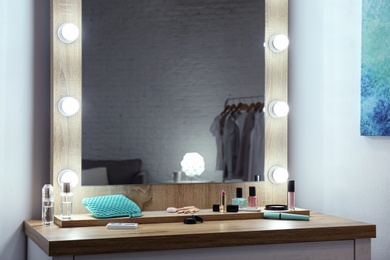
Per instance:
{"type": "Point", "coordinates": [123, 172]}
{"type": "Point", "coordinates": [94, 176]}
{"type": "Point", "coordinates": [118, 171]}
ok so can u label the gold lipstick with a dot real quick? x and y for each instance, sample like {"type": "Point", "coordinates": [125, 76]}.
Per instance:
{"type": "Point", "coordinates": [222, 206]}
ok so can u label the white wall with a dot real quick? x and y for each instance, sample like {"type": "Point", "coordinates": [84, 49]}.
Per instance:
{"type": "Point", "coordinates": [24, 118]}
{"type": "Point", "coordinates": [337, 171]}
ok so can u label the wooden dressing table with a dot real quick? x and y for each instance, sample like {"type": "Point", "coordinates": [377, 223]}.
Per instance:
{"type": "Point", "coordinates": [323, 236]}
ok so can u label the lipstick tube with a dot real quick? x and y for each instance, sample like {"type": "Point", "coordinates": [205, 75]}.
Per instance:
{"type": "Point", "coordinates": [222, 206]}
{"type": "Point", "coordinates": [291, 195]}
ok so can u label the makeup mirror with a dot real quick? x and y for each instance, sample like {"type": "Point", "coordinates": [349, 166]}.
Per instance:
{"type": "Point", "coordinates": [156, 77]}
{"type": "Point", "coordinates": [66, 135]}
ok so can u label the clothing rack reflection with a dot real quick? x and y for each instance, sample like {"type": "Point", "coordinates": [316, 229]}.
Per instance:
{"type": "Point", "coordinates": [238, 104]}
{"type": "Point", "coordinates": [233, 100]}
{"type": "Point", "coordinates": [239, 132]}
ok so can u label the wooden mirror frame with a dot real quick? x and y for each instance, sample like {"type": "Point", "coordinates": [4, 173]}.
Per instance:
{"type": "Point", "coordinates": [66, 73]}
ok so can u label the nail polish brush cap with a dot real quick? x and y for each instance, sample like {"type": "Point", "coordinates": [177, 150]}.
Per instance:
{"type": "Point", "coordinates": [291, 186]}
{"type": "Point", "coordinates": [238, 192]}
{"type": "Point", "coordinates": [252, 191]}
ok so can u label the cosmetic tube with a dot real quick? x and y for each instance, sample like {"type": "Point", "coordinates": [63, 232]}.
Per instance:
{"type": "Point", "coordinates": [285, 216]}
{"type": "Point", "coordinates": [291, 195]}
{"type": "Point", "coordinates": [47, 205]}
{"type": "Point", "coordinates": [252, 199]}
{"type": "Point", "coordinates": [222, 206]}
{"type": "Point", "coordinates": [66, 201]}
{"type": "Point", "coordinates": [239, 200]}
{"type": "Point", "coordinates": [250, 209]}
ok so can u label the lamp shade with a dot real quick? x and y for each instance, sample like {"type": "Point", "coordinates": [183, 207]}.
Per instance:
{"type": "Point", "coordinates": [192, 164]}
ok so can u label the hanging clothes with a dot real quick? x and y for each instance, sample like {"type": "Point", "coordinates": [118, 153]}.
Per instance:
{"type": "Point", "coordinates": [257, 150]}
{"type": "Point", "coordinates": [231, 142]}
{"type": "Point", "coordinates": [215, 129]}
{"type": "Point", "coordinates": [245, 143]}
{"type": "Point", "coordinates": [239, 133]}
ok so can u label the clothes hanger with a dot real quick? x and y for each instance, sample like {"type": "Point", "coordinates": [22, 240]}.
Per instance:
{"type": "Point", "coordinates": [228, 108]}
{"type": "Point", "coordinates": [244, 106]}
{"type": "Point", "coordinates": [259, 106]}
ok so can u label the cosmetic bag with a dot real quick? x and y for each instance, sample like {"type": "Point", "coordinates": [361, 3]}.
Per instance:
{"type": "Point", "coordinates": [112, 206]}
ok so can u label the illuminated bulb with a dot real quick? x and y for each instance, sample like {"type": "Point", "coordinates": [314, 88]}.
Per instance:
{"type": "Point", "coordinates": [278, 43]}
{"type": "Point", "coordinates": [278, 174]}
{"type": "Point", "coordinates": [68, 106]}
{"type": "Point", "coordinates": [68, 32]}
{"type": "Point", "coordinates": [68, 176]}
{"type": "Point", "coordinates": [192, 164]}
{"type": "Point", "coordinates": [278, 109]}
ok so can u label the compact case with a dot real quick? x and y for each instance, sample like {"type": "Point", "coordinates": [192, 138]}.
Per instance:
{"type": "Point", "coordinates": [229, 208]}
{"type": "Point", "coordinates": [276, 207]}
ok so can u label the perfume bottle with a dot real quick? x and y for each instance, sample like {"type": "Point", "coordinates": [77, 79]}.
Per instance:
{"type": "Point", "coordinates": [239, 200]}
{"type": "Point", "coordinates": [252, 199]}
{"type": "Point", "coordinates": [291, 195]}
{"type": "Point", "coordinates": [47, 205]}
{"type": "Point", "coordinates": [66, 201]}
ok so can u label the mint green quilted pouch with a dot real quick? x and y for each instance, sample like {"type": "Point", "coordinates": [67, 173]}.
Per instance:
{"type": "Point", "coordinates": [112, 206]}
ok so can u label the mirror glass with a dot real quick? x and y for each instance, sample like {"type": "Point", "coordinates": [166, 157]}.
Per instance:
{"type": "Point", "coordinates": [156, 76]}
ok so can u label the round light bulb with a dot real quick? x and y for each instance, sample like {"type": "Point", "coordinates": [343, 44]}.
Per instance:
{"type": "Point", "coordinates": [68, 106]}
{"type": "Point", "coordinates": [68, 175]}
{"type": "Point", "coordinates": [278, 109]}
{"type": "Point", "coordinates": [278, 43]}
{"type": "Point", "coordinates": [278, 174]}
{"type": "Point", "coordinates": [68, 32]}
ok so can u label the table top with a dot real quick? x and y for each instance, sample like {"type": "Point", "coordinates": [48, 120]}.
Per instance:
{"type": "Point", "coordinates": [54, 240]}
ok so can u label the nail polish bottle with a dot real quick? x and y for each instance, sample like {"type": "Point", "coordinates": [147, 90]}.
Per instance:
{"type": "Point", "coordinates": [252, 199]}
{"type": "Point", "coordinates": [47, 205]}
{"type": "Point", "coordinates": [291, 195]}
{"type": "Point", "coordinates": [239, 200]}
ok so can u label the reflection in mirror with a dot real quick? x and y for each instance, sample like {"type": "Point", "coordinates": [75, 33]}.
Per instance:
{"type": "Point", "coordinates": [156, 76]}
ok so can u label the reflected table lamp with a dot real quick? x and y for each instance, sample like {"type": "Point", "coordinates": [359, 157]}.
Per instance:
{"type": "Point", "coordinates": [192, 165]}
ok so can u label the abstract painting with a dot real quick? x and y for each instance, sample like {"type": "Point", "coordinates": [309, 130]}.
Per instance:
{"type": "Point", "coordinates": [375, 69]}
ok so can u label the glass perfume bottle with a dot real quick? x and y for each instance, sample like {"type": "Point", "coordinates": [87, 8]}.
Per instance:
{"type": "Point", "coordinates": [239, 200]}
{"type": "Point", "coordinates": [66, 201]}
{"type": "Point", "coordinates": [47, 205]}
